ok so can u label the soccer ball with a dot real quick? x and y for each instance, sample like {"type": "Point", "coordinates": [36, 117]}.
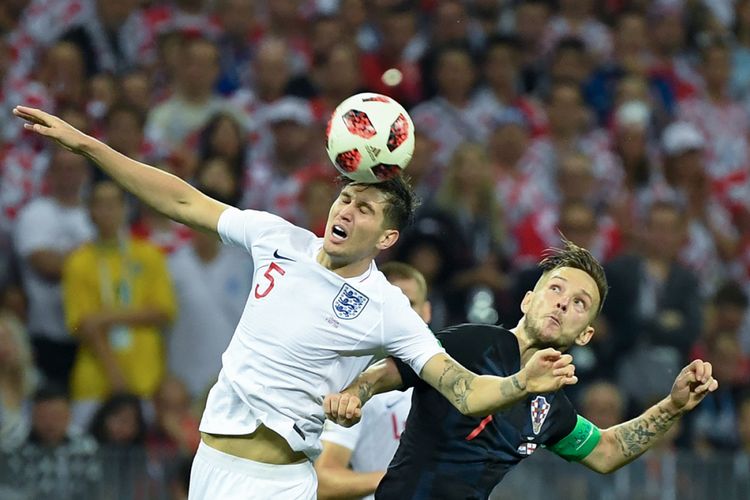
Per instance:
{"type": "Point", "coordinates": [370, 138]}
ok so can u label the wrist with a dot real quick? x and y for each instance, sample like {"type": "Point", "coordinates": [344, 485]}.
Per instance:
{"type": "Point", "coordinates": [520, 381]}
{"type": "Point", "coordinates": [668, 406]}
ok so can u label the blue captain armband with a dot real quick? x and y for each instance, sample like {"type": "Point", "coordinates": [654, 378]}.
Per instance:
{"type": "Point", "coordinates": [579, 443]}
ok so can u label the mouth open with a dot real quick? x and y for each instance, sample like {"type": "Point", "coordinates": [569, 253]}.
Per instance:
{"type": "Point", "coordinates": [339, 233]}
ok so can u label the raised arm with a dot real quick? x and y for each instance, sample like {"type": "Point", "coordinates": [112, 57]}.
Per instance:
{"type": "Point", "coordinates": [621, 444]}
{"type": "Point", "coordinates": [165, 192]}
{"type": "Point", "coordinates": [476, 395]}
{"type": "Point", "coordinates": [480, 395]}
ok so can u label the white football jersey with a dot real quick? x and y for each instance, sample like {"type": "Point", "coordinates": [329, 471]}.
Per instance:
{"type": "Point", "coordinates": [374, 440]}
{"type": "Point", "coordinates": [305, 332]}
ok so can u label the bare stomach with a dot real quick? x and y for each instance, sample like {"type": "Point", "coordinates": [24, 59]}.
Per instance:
{"type": "Point", "coordinates": [263, 445]}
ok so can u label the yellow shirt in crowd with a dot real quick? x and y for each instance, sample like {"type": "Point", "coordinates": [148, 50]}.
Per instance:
{"type": "Point", "coordinates": [130, 276]}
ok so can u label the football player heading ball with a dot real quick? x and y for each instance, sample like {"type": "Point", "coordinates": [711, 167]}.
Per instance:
{"type": "Point", "coordinates": [260, 430]}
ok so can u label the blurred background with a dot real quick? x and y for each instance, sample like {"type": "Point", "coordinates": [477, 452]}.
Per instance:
{"type": "Point", "coordinates": [621, 124]}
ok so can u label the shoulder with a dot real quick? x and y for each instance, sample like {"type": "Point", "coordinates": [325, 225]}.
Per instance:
{"type": "Point", "coordinates": [147, 251]}
{"type": "Point", "coordinates": [35, 209]}
{"type": "Point", "coordinates": [81, 258]}
{"type": "Point", "coordinates": [477, 333]}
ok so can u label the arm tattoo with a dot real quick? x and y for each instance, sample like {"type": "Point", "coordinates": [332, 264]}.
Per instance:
{"type": "Point", "coordinates": [511, 388]}
{"type": "Point", "coordinates": [364, 391]}
{"type": "Point", "coordinates": [455, 384]}
{"type": "Point", "coordinates": [639, 434]}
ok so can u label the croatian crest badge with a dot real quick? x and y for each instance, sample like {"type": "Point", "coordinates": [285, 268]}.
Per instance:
{"type": "Point", "coordinates": [539, 411]}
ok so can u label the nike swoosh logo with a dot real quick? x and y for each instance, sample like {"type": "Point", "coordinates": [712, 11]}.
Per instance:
{"type": "Point", "coordinates": [277, 256]}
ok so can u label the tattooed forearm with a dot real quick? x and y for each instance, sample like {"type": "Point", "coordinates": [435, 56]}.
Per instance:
{"type": "Point", "coordinates": [364, 391]}
{"type": "Point", "coordinates": [455, 384]}
{"type": "Point", "coordinates": [638, 435]}
{"type": "Point", "coordinates": [512, 387]}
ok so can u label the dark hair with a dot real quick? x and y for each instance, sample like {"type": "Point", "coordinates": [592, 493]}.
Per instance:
{"type": "Point", "coordinates": [126, 108]}
{"type": "Point", "coordinates": [731, 293]}
{"type": "Point", "coordinates": [395, 270]}
{"type": "Point", "coordinates": [570, 43]}
{"type": "Point", "coordinates": [205, 139]}
{"type": "Point", "coordinates": [51, 391]}
{"type": "Point", "coordinates": [402, 201]}
{"type": "Point", "coordinates": [571, 255]}
{"type": "Point", "coordinates": [98, 427]}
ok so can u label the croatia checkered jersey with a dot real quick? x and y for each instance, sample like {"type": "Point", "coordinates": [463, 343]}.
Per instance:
{"type": "Point", "coordinates": [305, 332]}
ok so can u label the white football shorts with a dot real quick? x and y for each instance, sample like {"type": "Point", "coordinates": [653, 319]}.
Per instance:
{"type": "Point", "coordinates": [218, 476]}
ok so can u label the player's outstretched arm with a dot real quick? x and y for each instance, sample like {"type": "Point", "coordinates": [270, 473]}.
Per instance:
{"type": "Point", "coordinates": [480, 395]}
{"type": "Point", "coordinates": [165, 192]}
{"type": "Point", "coordinates": [621, 444]}
{"type": "Point", "coordinates": [345, 408]}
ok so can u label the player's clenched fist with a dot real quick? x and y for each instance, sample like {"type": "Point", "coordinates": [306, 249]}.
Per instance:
{"type": "Point", "coordinates": [549, 370]}
{"type": "Point", "coordinates": [692, 384]}
{"type": "Point", "coordinates": [343, 408]}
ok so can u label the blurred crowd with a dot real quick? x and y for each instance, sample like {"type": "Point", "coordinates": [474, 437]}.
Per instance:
{"type": "Point", "coordinates": [623, 125]}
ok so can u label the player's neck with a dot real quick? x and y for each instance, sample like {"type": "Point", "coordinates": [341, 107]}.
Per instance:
{"type": "Point", "coordinates": [345, 270]}
{"type": "Point", "coordinates": [524, 345]}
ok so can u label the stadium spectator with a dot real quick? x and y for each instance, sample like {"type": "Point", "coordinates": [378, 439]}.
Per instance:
{"type": "Point", "coordinates": [451, 116]}
{"type": "Point", "coordinates": [117, 296]}
{"type": "Point", "coordinates": [47, 231]}
{"type": "Point", "coordinates": [120, 429]}
{"type": "Point", "coordinates": [711, 236]}
{"type": "Point", "coordinates": [654, 313]}
{"type": "Point", "coordinates": [211, 283]}
{"type": "Point", "coordinates": [54, 462]}
{"type": "Point", "coordinates": [173, 125]}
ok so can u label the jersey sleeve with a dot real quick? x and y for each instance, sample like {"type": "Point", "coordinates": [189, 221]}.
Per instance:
{"type": "Point", "coordinates": [242, 227]}
{"type": "Point", "coordinates": [342, 436]}
{"type": "Point", "coordinates": [575, 437]}
{"type": "Point", "coordinates": [406, 336]}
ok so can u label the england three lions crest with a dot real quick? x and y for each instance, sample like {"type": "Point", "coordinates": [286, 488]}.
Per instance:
{"type": "Point", "coordinates": [539, 410]}
{"type": "Point", "coordinates": [349, 302]}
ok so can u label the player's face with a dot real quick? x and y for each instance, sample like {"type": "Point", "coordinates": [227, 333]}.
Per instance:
{"type": "Point", "coordinates": [416, 297]}
{"type": "Point", "coordinates": [559, 312]}
{"type": "Point", "coordinates": [355, 228]}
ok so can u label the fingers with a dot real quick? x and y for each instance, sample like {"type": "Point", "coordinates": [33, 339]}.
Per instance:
{"type": "Point", "coordinates": [31, 114]}
{"type": "Point", "coordinates": [352, 407]}
{"type": "Point", "coordinates": [564, 360]}
{"type": "Point", "coordinates": [698, 368]}
{"type": "Point", "coordinates": [564, 371]}
{"type": "Point", "coordinates": [709, 386]}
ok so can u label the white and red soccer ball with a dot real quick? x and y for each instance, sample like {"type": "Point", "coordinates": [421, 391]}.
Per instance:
{"type": "Point", "coordinates": [370, 138]}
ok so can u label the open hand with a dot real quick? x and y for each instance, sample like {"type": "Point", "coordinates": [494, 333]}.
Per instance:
{"type": "Point", "coordinates": [693, 383]}
{"type": "Point", "coordinates": [549, 370]}
{"type": "Point", "coordinates": [343, 408]}
{"type": "Point", "coordinates": [53, 127]}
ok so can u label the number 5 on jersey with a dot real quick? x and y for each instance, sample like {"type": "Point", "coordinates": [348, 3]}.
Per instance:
{"type": "Point", "coordinates": [269, 276]}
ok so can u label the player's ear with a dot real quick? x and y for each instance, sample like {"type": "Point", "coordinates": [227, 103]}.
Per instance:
{"type": "Point", "coordinates": [427, 312]}
{"type": "Point", "coordinates": [388, 239]}
{"type": "Point", "coordinates": [584, 337]}
{"type": "Point", "coordinates": [526, 302]}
